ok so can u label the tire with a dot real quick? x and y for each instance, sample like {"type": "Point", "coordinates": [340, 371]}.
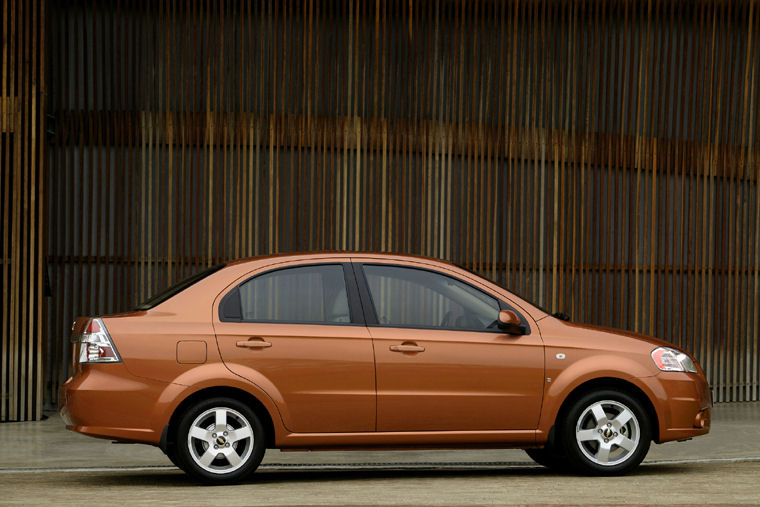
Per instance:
{"type": "Point", "coordinates": [171, 453]}
{"type": "Point", "coordinates": [605, 433]}
{"type": "Point", "coordinates": [234, 431]}
{"type": "Point", "coordinates": [548, 457]}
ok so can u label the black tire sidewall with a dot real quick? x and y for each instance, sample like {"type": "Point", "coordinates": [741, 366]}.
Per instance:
{"type": "Point", "coordinates": [577, 460]}
{"type": "Point", "coordinates": [185, 460]}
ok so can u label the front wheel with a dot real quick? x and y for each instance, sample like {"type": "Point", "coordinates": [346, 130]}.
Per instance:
{"type": "Point", "coordinates": [171, 453]}
{"type": "Point", "coordinates": [606, 433]}
{"type": "Point", "coordinates": [547, 457]}
{"type": "Point", "coordinates": [219, 441]}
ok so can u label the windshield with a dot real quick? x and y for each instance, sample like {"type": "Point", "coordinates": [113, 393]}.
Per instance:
{"type": "Point", "coordinates": [177, 288]}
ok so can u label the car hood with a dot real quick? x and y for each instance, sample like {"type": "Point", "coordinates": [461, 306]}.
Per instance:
{"type": "Point", "coordinates": [657, 342]}
{"type": "Point", "coordinates": [556, 332]}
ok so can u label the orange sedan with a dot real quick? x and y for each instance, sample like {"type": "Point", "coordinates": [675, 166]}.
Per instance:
{"type": "Point", "coordinates": [356, 351]}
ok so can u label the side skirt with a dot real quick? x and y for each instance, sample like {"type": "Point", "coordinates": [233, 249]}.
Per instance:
{"type": "Point", "coordinates": [408, 440]}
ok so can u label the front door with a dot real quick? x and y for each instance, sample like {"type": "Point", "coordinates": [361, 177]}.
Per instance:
{"type": "Point", "coordinates": [292, 332]}
{"type": "Point", "coordinates": [441, 361]}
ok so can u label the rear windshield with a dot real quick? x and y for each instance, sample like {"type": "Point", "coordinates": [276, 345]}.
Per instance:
{"type": "Point", "coordinates": [177, 288]}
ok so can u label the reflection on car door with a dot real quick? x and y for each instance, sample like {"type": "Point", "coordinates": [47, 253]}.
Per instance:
{"type": "Point", "coordinates": [294, 328]}
{"type": "Point", "coordinates": [466, 376]}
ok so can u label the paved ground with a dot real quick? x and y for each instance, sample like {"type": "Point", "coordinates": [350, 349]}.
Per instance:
{"type": "Point", "coordinates": [42, 463]}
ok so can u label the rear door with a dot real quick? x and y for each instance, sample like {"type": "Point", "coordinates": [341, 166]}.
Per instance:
{"type": "Point", "coordinates": [297, 331]}
{"type": "Point", "coordinates": [441, 361]}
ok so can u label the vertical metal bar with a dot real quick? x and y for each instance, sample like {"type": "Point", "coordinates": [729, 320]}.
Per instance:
{"type": "Point", "coordinates": [8, 124]}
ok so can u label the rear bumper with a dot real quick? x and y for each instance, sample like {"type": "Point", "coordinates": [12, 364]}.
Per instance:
{"type": "Point", "coordinates": [683, 403]}
{"type": "Point", "coordinates": [106, 401]}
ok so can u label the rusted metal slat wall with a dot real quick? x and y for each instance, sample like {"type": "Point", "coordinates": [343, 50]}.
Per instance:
{"type": "Point", "coordinates": [600, 158]}
{"type": "Point", "coordinates": [22, 190]}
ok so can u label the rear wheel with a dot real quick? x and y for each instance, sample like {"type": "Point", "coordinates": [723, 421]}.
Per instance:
{"type": "Point", "coordinates": [606, 433]}
{"type": "Point", "coordinates": [219, 441]}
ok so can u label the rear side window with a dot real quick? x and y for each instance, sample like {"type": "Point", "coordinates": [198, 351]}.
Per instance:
{"type": "Point", "coordinates": [307, 294]}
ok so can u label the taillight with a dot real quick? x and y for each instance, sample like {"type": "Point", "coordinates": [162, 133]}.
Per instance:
{"type": "Point", "coordinates": [96, 345]}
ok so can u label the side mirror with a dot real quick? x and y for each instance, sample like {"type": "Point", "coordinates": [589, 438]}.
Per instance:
{"type": "Point", "coordinates": [510, 322]}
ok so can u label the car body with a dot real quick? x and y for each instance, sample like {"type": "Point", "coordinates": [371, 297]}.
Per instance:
{"type": "Point", "coordinates": [356, 351]}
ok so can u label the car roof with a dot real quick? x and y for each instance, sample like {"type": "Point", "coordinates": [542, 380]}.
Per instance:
{"type": "Point", "coordinates": [340, 254]}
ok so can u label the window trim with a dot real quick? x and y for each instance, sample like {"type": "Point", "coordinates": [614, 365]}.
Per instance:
{"type": "Point", "coordinates": [354, 304]}
{"type": "Point", "coordinates": [370, 312]}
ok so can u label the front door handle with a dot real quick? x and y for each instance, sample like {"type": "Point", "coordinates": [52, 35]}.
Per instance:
{"type": "Point", "coordinates": [407, 347]}
{"type": "Point", "coordinates": [254, 343]}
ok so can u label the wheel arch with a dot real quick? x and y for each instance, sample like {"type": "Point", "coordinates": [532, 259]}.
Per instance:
{"type": "Point", "coordinates": [238, 394]}
{"type": "Point", "coordinates": [616, 384]}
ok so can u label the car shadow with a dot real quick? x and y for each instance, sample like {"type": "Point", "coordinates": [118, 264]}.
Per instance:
{"type": "Point", "coordinates": [179, 479]}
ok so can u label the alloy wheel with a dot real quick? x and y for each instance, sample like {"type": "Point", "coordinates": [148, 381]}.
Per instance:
{"type": "Point", "coordinates": [220, 440]}
{"type": "Point", "coordinates": [607, 432]}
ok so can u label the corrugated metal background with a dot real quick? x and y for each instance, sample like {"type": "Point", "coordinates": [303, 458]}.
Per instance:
{"type": "Point", "coordinates": [22, 187]}
{"type": "Point", "coordinates": [598, 157]}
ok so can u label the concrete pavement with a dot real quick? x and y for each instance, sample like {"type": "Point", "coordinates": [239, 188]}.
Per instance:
{"type": "Point", "coordinates": [53, 465]}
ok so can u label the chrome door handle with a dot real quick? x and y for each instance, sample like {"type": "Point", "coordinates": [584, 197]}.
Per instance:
{"type": "Point", "coordinates": [254, 343]}
{"type": "Point", "coordinates": [407, 348]}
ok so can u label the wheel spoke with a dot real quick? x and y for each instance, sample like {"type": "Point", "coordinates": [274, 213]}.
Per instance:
{"type": "Point", "coordinates": [208, 456]}
{"type": "Point", "coordinates": [239, 434]}
{"type": "Point", "coordinates": [599, 414]}
{"type": "Point", "coordinates": [232, 456]}
{"type": "Point", "coordinates": [626, 443]}
{"type": "Point", "coordinates": [622, 418]}
{"type": "Point", "coordinates": [199, 433]}
{"type": "Point", "coordinates": [604, 453]}
{"type": "Point", "coordinates": [221, 418]}
{"type": "Point", "coordinates": [586, 435]}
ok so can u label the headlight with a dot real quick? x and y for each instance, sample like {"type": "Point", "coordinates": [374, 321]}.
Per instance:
{"type": "Point", "coordinates": [667, 359]}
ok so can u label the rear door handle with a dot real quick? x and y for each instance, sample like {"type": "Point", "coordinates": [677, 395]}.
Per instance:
{"type": "Point", "coordinates": [410, 347]}
{"type": "Point", "coordinates": [254, 343]}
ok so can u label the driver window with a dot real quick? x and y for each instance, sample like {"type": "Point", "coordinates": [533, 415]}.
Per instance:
{"type": "Point", "coordinates": [409, 297]}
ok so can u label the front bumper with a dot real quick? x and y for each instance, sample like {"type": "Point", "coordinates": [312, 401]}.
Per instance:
{"type": "Point", "coordinates": [106, 401]}
{"type": "Point", "coordinates": [683, 403]}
